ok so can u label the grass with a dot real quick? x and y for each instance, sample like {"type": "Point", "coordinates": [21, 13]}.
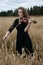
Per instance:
{"type": "Point", "coordinates": [8, 56]}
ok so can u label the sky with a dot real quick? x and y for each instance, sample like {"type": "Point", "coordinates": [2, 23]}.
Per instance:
{"type": "Point", "coordinates": [13, 4]}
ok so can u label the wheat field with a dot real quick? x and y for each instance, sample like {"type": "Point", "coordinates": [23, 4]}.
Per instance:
{"type": "Point", "coordinates": [8, 56]}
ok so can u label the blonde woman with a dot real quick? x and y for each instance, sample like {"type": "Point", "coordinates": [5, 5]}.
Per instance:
{"type": "Point", "coordinates": [22, 23]}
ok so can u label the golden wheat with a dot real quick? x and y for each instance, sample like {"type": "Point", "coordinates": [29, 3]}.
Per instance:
{"type": "Point", "coordinates": [8, 56]}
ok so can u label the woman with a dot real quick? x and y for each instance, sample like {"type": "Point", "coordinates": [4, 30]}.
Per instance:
{"type": "Point", "coordinates": [22, 24]}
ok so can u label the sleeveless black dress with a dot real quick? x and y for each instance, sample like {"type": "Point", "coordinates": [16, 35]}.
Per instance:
{"type": "Point", "coordinates": [23, 38]}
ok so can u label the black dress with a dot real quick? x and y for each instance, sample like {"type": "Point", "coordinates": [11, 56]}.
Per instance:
{"type": "Point", "coordinates": [23, 38]}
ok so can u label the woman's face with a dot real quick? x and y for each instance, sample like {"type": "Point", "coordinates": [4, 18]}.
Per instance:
{"type": "Point", "coordinates": [20, 13]}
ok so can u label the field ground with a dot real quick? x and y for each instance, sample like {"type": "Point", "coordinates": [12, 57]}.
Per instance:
{"type": "Point", "coordinates": [35, 32]}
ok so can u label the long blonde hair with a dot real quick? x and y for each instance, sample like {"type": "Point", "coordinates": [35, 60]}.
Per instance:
{"type": "Point", "coordinates": [24, 11]}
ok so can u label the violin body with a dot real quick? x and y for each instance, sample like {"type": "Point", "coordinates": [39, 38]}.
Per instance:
{"type": "Point", "coordinates": [25, 20]}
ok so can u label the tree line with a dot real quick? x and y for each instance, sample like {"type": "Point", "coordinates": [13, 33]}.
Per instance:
{"type": "Point", "coordinates": [35, 10]}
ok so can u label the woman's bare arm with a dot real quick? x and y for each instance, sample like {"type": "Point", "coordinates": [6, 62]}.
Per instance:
{"type": "Point", "coordinates": [14, 24]}
{"type": "Point", "coordinates": [29, 23]}
{"type": "Point", "coordinates": [6, 35]}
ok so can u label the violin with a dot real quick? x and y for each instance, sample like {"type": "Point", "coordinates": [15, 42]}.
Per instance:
{"type": "Point", "coordinates": [25, 20]}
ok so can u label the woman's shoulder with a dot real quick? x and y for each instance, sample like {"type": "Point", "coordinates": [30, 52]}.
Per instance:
{"type": "Point", "coordinates": [16, 19]}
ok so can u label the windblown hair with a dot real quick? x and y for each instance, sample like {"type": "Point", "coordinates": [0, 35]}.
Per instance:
{"type": "Point", "coordinates": [24, 11]}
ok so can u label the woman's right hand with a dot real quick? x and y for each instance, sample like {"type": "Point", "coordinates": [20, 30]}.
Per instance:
{"type": "Point", "coordinates": [4, 38]}
{"type": "Point", "coordinates": [6, 35]}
